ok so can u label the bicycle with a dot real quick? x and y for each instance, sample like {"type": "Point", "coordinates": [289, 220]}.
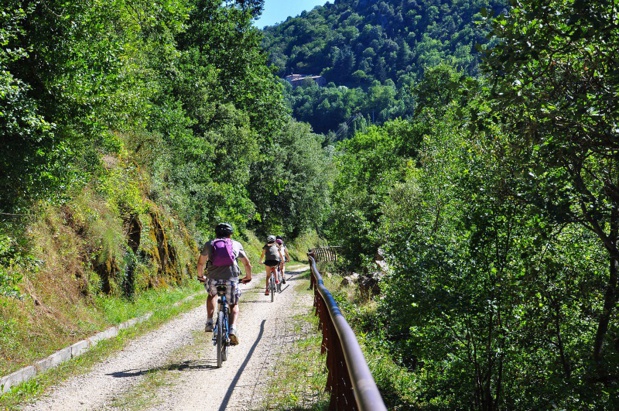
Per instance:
{"type": "Point", "coordinates": [221, 331]}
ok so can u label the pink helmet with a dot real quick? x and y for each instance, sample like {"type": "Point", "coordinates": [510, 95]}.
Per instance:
{"type": "Point", "coordinates": [279, 241]}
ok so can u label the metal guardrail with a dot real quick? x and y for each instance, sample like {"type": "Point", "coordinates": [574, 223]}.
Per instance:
{"type": "Point", "coordinates": [349, 381]}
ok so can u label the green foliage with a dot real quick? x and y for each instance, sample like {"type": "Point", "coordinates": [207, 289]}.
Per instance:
{"type": "Point", "coordinates": [486, 295]}
{"type": "Point", "coordinates": [22, 127]}
{"type": "Point", "coordinates": [10, 263]}
{"type": "Point", "coordinates": [368, 166]}
{"type": "Point", "coordinates": [497, 290]}
{"type": "Point", "coordinates": [554, 92]}
{"type": "Point", "coordinates": [290, 186]}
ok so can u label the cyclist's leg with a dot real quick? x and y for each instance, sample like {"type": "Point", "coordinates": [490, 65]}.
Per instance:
{"type": "Point", "coordinates": [269, 271]}
{"type": "Point", "coordinates": [232, 331]}
{"type": "Point", "coordinates": [211, 301]}
{"type": "Point", "coordinates": [234, 314]}
{"type": "Point", "coordinates": [234, 293]}
{"type": "Point", "coordinates": [282, 268]}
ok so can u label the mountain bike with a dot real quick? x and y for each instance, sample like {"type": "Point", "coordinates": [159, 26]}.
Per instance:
{"type": "Point", "coordinates": [221, 331]}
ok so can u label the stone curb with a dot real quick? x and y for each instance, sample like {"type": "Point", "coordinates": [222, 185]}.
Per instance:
{"type": "Point", "coordinates": [77, 349]}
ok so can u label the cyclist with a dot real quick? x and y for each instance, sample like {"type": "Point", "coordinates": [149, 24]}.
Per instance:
{"type": "Point", "coordinates": [220, 256]}
{"type": "Point", "coordinates": [271, 257]}
{"type": "Point", "coordinates": [285, 256]}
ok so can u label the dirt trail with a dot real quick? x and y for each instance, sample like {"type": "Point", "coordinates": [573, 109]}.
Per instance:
{"type": "Point", "coordinates": [174, 367]}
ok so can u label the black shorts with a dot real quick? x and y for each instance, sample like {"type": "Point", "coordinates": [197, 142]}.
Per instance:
{"type": "Point", "coordinates": [271, 263]}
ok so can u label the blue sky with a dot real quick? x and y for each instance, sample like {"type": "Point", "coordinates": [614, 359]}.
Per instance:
{"type": "Point", "coordinates": [276, 11]}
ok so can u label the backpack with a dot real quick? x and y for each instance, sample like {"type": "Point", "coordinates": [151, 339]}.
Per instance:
{"type": "Point", "coordinates": [222, 253]}
{"type": "Point", "coordinates": [272, 253]}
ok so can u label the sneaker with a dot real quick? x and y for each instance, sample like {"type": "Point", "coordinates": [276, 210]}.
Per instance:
{"type": "Point", "coordinates": [266, 292]}
{"type": "Point", "coordinates": [209, 326]}
{"type": "Point", "coordinates": [234, 339]}
{"type": "Point", "coordinates": [283, 280]}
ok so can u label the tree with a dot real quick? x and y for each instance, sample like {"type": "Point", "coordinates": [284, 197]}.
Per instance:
{"type": "Point", "coordinates": [23, 128]}
{"type": "Point", "coordinates": [222, 37]}
{"type": "Point", "coordinates": [555, 82]}
{"type": "Point", "coordinates": [298, 176]}
{"type": "Point", "coordinates": [367, 166]}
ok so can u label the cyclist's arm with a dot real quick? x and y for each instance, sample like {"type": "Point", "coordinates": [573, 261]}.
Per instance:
{"type": "Point", "coordinates": [247, 266]}
{"type": "Point", "coordinates": [201, 264]}
{"type": "Point", "coordinates": [261, 261]}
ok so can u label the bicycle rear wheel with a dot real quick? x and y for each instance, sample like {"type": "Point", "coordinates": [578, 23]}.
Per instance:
{"type": "Point", "coordinates": [220, 338]}
{"type": "Point", "coordinates": [272, 286]}
{"type": "Point", "coordinates": [226, 340]}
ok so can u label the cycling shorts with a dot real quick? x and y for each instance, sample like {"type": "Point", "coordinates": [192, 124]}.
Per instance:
{"type": "Point", "coordinates": [272, 263]}
{"type": "Point", "coordinates": [233, 291]}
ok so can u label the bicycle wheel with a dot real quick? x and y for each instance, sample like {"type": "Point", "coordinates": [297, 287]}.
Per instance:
{"type": "Point", "coordinates": [220, 338]}
{"type": "Point", "coordinates": [272, 286]}
{"type": "Point", "coordinates": [226, 342]}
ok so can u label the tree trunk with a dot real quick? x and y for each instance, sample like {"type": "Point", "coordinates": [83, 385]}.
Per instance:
{"type": "Point", "coordinates": [610, 297]}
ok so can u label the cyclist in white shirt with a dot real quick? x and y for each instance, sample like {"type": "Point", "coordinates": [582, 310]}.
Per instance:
{"type": "Point", "coordinates": [286, 257]}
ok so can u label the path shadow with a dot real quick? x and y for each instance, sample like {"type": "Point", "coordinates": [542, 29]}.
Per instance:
{"type": "Point", "coordinates": [185, 365]}
{"type": "Point", "coordinates": [235, 380]}
{"type": "Point", "coordinates": [195, 365]}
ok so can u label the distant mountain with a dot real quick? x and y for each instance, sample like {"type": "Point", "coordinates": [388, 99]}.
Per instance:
{"type": "Point", "coordinates": [356, 43]}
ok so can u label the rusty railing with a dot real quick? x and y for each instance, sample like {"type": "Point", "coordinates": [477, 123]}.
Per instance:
{"type": "Point", "coordinates": [324, 253]}
{"type": "Point", "coordinates": [349, 381]}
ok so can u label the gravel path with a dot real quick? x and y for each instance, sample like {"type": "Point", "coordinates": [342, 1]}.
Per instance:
{"type": "Point", "coordinates": [174, 367]}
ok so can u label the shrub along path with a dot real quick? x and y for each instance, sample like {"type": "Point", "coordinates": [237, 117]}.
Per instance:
{"type": "Point", "coordinates": [174, 367]}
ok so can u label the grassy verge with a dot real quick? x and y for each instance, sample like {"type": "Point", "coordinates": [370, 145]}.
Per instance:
{"type": "Point", "coordinates": [160, 303]}
{"type": "Point", "coordinates": [298, 382]}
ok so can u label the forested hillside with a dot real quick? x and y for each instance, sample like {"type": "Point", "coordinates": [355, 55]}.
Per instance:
{"type": "Point", "coordinates": [371, 54]}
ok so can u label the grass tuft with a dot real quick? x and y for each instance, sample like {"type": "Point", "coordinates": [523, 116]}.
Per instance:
{"type": "Point", "coordinates": [301, 368]}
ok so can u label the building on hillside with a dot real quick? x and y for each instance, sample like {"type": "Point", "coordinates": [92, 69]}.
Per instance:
{"type": "Point", "coordinates": [300, 79]}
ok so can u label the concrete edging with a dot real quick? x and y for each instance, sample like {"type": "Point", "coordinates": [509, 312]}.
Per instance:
{"type": "Point", "coordinates": [75, 350]}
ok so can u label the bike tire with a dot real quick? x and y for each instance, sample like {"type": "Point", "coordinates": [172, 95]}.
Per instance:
{"type": "Point", "coordinates": [272, 288]}
{"type": "Point", "coordinates": [220, 338]}
{"type": "Point", "coordinates": [224, 352]}
{"type": "Point", "coordinates": [280, 277]}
